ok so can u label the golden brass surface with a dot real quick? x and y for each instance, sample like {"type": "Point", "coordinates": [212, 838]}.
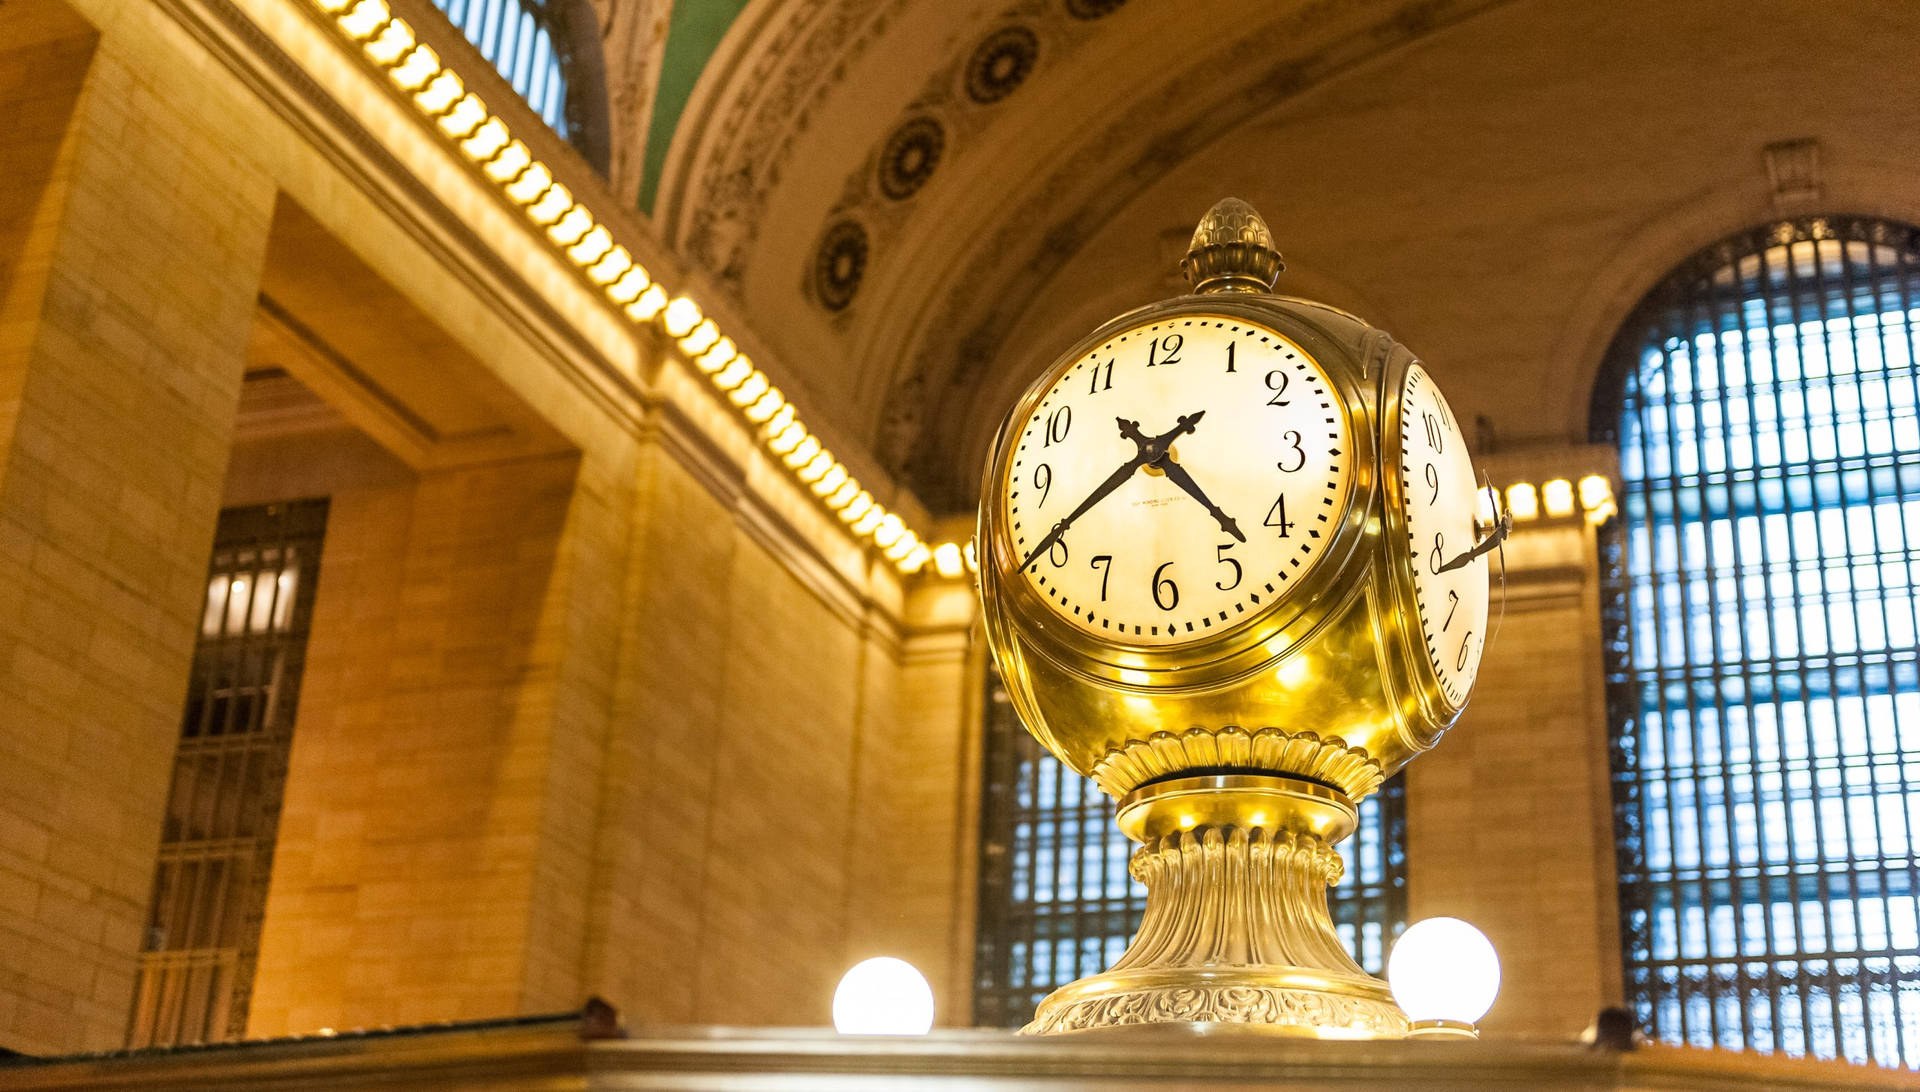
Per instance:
{"type": "Point", "coordinates": [1443, 1031]}
{"type": "Point", "coordinates": [1236, 930]}
{"type": "Point", "coordinates": [1328, 687]}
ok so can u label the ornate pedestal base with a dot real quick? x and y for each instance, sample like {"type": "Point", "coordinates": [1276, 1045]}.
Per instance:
{"type": "Point", "coordinates": [1236, 936]}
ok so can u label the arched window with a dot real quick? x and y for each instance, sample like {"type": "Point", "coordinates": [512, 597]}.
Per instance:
{"type": "Point", "coordinates": [1056, 902]}
{"type": "Point", "coordinates": [1761, 618]}
{"type": "Point", "coordinates": [549, 51]}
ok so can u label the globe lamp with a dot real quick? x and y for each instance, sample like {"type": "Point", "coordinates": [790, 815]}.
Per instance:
{"type": "Point", "coordinates": [883, 996]}
{"type": "Point", "coordinates": [1444, 974]}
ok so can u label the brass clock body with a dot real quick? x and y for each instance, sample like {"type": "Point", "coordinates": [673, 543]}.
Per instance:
{"type": "Point", "coordinates": [1326, 680]}
{"type": "Point", "coordinates": [1236, 747]}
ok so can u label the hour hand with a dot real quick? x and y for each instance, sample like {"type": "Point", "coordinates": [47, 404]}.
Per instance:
{"type": "Point", "coordinates": [1178, 475]}
{"type": "Point", "coordinates": [1493, 539]}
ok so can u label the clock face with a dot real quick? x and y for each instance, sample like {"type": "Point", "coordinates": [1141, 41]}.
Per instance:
{"type": "Point", "coordinates": [1437, 483]}
{"type": "Point", "coordinates": [1177, 479]}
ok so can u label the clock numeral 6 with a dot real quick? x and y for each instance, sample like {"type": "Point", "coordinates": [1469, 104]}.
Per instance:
{"type": "Point", "coordinates": [1220, 555]}
{"type": "Point", "coordinates": [1103, 562]}
{"type": "Point", "coordinates": [1460, 662]}
{"type": "Point", "coordinates": [1166, 594]}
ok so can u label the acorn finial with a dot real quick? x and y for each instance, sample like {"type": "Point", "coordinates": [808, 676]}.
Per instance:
{"type": "Point", "coordinates": [1232, 251]}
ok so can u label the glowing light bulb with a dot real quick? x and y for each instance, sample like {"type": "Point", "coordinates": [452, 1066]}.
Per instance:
{"type": "Point", "coordinates": [1444, 969]}
{"type": "Point", "coordinates": [1557, 497]}
{"type": "Point", "coordinates": [883, 996]}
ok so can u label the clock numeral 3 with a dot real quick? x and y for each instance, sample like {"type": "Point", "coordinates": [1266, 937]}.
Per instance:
{"type": "Point", "coordinates": [1106, 570]}
{"type": "Point", "coordinates": [1292, 439]}
{"type": "Point", "coordinates": [1166, 594]}
{"type": "Point", "coordinates": [1171, 343]}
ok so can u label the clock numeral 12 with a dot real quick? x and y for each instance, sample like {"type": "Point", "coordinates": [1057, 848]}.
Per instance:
{"type": "Point", "coordinates": [1171, 343]}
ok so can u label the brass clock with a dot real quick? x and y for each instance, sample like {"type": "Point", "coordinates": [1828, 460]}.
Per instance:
{"type": "Point", "coordinates": [1231, 571]}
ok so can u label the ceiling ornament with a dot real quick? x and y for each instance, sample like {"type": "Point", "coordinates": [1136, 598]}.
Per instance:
{"type": "Point", "coordinates": [1001, 63]}
{"type": "Point", "coordinates": [1033, 239]}
{"type": "Point", "coordinates": [839, 264]}
{"type": "Point", "coordinates": [911, 154]}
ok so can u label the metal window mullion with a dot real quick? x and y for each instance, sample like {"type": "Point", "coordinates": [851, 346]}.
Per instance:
{"type": "Point", "coordinates": [1764, 869]}
{"type": "Point", "coordinates": [1669, 885]}
{"type": "Point", "coordinates": [1844, 769]}
{"type": "Point", "coordinates": [1673, 485]}
{"type": "Point", "coordinates": [1822, 875]}
{"type": "Point", "coordinates": [1903, 277]}
{"type": "Point", "coordinates": [1717, 326]}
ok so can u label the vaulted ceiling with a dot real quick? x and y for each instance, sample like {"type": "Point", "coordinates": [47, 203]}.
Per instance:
{"type": "Point", "coordinates": [922, 201]}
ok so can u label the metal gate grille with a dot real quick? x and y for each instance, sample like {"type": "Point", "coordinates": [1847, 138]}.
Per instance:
{"type": "Point", "coordinates": [210, 886]}
{"type": "Point", "coordinates": [1056, 902]}
{"type": "Point", "coordinates": [1761, 618]}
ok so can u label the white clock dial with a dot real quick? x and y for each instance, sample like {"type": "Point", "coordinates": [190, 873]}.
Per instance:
{"type": "Point", "coordinates": [1437, 483]}
{"type": "Point", "coordinates": [1177, 479]}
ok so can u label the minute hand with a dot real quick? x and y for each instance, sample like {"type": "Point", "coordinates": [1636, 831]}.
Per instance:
{"type": "Point", "coordinates": [1149, 450]}
{"type": "Point", "coordinates": [1178, 475]}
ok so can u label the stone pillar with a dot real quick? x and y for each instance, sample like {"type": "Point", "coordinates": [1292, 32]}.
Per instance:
{"type": "Point", "coordinates": [130, 244]}
{"type": "Point", "coordinates": [1509, 822]}
{"type": "Point", "coordinates": [914, 835]}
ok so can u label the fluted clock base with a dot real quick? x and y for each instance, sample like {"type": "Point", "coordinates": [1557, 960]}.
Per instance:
{"type": "Point", "coordinates": [1236, 938]}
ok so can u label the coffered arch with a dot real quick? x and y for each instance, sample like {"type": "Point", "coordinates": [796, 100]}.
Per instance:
{"type": "Point", "coordinates": [918, 241]}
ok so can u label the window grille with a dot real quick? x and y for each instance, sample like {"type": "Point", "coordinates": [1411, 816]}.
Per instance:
{"type": "Point", "coordinates": [1056, 902]}
{"type": "Point", "coordinates": [210, 884]}
{"type": "Point", "coordinates": [1760, 616]}
{"type": "Point", "coordinates": [533, 47]}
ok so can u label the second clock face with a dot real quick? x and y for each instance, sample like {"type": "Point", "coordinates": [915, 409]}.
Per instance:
{"type": "Point", "coordinates": [1178, 479]}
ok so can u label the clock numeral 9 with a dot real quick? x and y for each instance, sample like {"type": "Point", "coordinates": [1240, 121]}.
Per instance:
{"type": "Point", "coordinates": [1292, 439]}
{"type": "Point", "coordinates": [1220, 555]}
{"type": "Point", "coordinates": [1171, 343]}
{"type": "Point", "coordinates": [1166, 594]}
{"type": "Point", "coordinates": [1043, 481]}
{"type": "Point", "coordinates": [1277, 383]}
{"type": "Point", "coordinates": [1460, 662]}
{"type": "Point", "coordinates": [1433, 481]}
{"type": "Point", "coordinates": [1057, 425]}
{"type": "Point", "coordinates": [1106, 570]}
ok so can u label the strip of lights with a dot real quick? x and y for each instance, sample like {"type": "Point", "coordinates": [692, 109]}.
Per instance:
{"type": "Point", "coordinates": [1557, 499]}
{"type": "Point", "coordinates": [586, 242]}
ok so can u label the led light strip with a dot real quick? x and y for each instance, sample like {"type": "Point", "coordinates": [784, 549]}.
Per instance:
{"type": "Point", "coordinates": [390, 43]}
